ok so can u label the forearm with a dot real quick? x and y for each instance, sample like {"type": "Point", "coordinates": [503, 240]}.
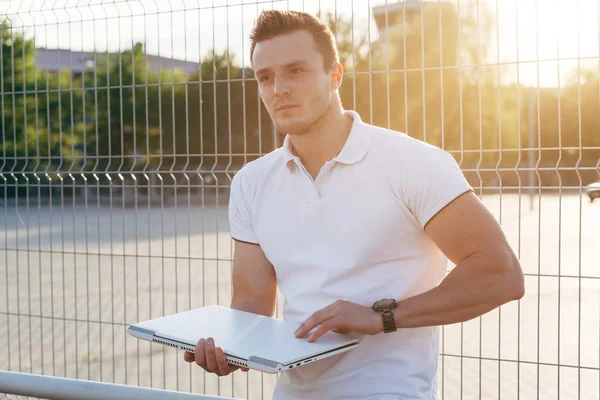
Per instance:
{"type": "Point", "coordinates": [254, 305]}
{"type": "Point", "coordinates": [468, 291]}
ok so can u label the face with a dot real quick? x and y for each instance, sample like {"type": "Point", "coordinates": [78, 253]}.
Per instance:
{"type": "Point", "coordinates": [294, 86]}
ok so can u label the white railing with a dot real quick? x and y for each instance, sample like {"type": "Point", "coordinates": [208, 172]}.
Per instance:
{"type": "Point", "coordinates": [50, 387]}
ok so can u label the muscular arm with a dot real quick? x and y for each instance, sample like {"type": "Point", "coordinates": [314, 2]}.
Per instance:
{"type": "Point", "coordinates": [254, 281]}
{"type": "Point", "coordinates": [487, 273]}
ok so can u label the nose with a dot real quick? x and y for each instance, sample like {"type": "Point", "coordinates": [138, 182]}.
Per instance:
{"type": "Point", "coordinates": [281, 86]}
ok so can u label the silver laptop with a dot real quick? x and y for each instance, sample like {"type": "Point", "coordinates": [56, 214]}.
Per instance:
{"type": "Point", "coordinates": [248, 340]}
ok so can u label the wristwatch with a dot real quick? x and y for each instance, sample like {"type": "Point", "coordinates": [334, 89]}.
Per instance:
{"type": "Point", "coordinates": [386, 307]}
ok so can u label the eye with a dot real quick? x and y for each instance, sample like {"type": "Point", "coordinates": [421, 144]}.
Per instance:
{"type": "Point", "coordinates": [264, 78]}
{"type": "Point", "coordinates": [297, 71]}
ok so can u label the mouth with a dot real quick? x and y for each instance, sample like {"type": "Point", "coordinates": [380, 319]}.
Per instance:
{"type": "Point", "coordinates": [285, 107]}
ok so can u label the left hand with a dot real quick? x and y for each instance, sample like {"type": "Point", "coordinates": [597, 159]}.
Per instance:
{"type": "Point", "coordinates": [342, 317]}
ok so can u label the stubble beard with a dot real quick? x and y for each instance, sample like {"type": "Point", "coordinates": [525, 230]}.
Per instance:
{"type": "Point", "coordinates": [302, 127]}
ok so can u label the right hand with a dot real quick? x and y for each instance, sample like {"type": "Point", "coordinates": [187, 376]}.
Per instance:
{"type": "Point", "coordinates": [211, 359]}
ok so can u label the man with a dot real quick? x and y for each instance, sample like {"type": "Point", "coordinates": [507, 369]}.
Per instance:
{"type": "Point", "coordinates": [355, 224]}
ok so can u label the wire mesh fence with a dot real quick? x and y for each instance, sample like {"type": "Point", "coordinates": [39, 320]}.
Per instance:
{"type": "Point", "coordinates": [123, 123]}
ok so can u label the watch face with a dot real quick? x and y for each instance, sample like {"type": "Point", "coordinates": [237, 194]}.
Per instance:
{"type": "Point", "coordinates": [385, 303]}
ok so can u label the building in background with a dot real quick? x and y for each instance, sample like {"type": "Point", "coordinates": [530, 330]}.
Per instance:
{"type": "Point", "coordinates": [78, 62]}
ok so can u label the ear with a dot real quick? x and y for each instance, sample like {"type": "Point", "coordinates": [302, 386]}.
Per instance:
{"type": "Point", "coordinates": [337, 74]}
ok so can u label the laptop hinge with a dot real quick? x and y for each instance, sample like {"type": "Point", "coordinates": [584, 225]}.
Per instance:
{"type": "Point", "coordinates": [141, 332]}
{"type": "Point", "coordinates": [262, 362]}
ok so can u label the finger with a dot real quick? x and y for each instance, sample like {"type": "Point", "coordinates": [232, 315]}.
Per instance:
{"type": "Point", "coordinates": [199, 354]}
{"type": "Point", "coordinates": [188, 357]}
{"type": "Point", "coordinates": [325, 327]}
{"type": "Point", "coordinates": [315, 320]}
{"type": "Point", "coordinates": [211, 361]}
{"type": "Point", "coordinates": [244, 369]}
{"type": "Point", "coordinates": [222, 364]}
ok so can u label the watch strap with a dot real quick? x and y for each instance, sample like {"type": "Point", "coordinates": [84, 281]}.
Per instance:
{"type": "Point", "coordinates": [389, 324]}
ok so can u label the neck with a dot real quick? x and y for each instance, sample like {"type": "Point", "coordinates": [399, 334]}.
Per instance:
{"type": "Point", "coordinates": [324, 140]}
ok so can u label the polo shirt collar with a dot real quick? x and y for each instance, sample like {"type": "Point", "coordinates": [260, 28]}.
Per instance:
{"type": "Point", "coordinates": [354, 150]}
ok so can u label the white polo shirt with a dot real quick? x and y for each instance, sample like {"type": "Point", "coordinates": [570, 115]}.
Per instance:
{"type": "Point", "coordinates": [355, 233]}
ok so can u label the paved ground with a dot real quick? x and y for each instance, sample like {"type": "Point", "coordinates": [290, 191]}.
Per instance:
{"type": "Point", "coordinates": [73, 278]}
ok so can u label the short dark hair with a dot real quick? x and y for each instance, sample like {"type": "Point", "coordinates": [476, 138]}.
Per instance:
{"type": "Point", "coordinates": [272, 23]}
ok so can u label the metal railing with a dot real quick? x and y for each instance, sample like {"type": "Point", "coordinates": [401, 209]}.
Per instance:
{"type": "Point", "coordinates": [51, 387]}
{"type": "Point", "coordinates": [123, 122]}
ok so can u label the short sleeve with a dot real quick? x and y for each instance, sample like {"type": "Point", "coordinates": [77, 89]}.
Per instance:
{"type": "Point", "coordinates": [240, 212]}
{"type": "Point", "coordinates": [430, 181]}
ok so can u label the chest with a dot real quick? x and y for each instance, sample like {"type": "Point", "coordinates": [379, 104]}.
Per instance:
{"type": "Point", "coordinates": [348, 219]}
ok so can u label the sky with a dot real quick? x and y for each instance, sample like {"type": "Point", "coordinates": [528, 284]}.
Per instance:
{"type": "Point", "coordinates": [186, 29]}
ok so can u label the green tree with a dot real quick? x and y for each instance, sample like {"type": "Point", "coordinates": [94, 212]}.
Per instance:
{"type": "Point", "coordinates": [41, 114]}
